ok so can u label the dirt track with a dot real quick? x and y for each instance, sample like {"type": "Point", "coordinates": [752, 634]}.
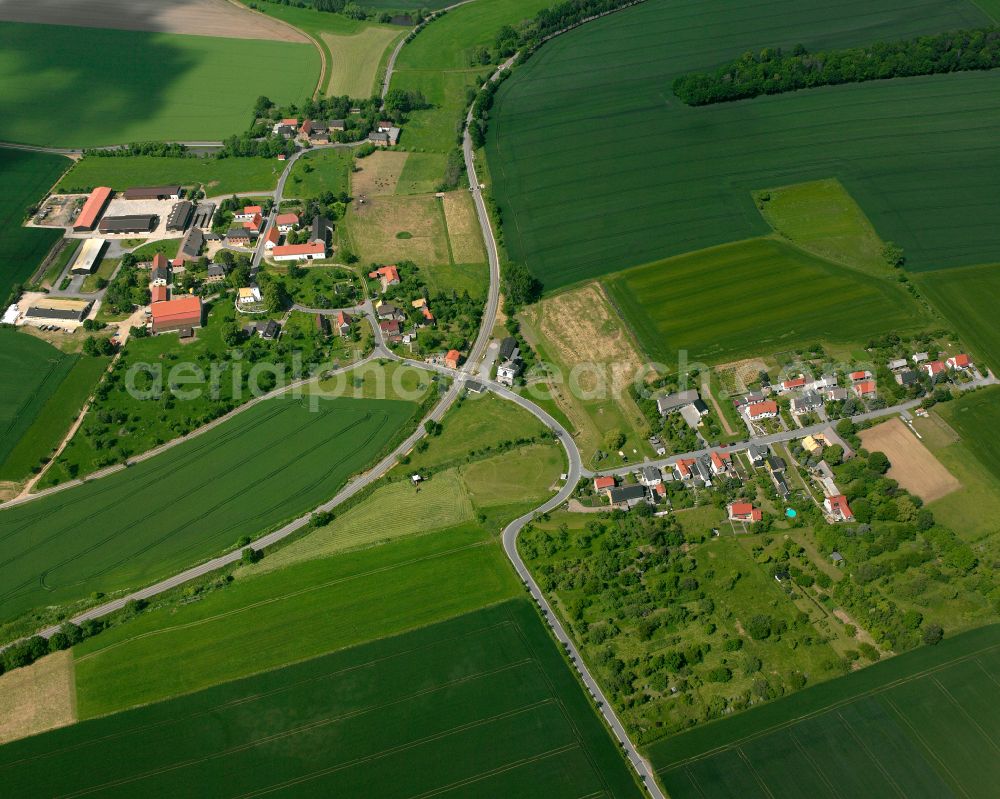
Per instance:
{"type": "Point", "coordinates": [913, 465]}
{"type": "Point", "coordinates": [196, 17]}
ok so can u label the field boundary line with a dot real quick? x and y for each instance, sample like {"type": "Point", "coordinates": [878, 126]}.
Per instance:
{"type": "Point", "coordinates": [929, 749]}
{"type": "Point", "coordinates": [990, 676]}
{"type": "Point", "coordinates": [512, 766]}
{"type": "Point", "coordinates": [737, 742]}
{"type": "Point", "coordinates": [864, 748]}
{"type": "Point", "coordinates": [282, 597]}
{"type": "Point", "coordinates": [749, 764]}
{"type": "Point", "coordinates": [812, 763]}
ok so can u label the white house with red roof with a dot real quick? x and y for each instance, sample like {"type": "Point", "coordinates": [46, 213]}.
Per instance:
{"type": "Point", "coordinates": [272, 238]}
{"type": "Point", "coordinates": [961, 362]}
{"type": "Point", "coordinates": [248, 212]}
{"type": "Point", "coordinates": [934, 368]}
{"type": "Point", "coordinates": [865, 389]}
{"type": "Point", "coordinates": [744, 512]}
{"type": "Point", "coordinates": [838, 508]}
{"type": "Point", "coordinates": [683, 467]}
{"type": "Point", "coordinates": [792, 384]}
{"type": "Point", "coordinates": [286, 222]}
{"type": "Point", "coordinates": [387, 275]}
{"type": "Point", "coordinates": [300, 252]}
{"type": "Point", "coordinates": [254, 223]}
{"type": "Point", "coordinates": [861, 374]}
{"type": "Point", "coordinates": [768, 409]}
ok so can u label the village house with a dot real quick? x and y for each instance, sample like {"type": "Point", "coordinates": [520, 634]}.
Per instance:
{"type": "Point", "coordinates": [286, 222]}
{"type": "Point", "coordinates": [299, 252]}
{"type": "Point", "coordinates": [838, 509]}
{"type": "Point", "coordinates": [344, 321]}
{"type": "Point", "coordinates": [452, 359]}
{"type": "Point", "coordinates": [160, 275]}
{"type": "Point", "coordinates": [837, 394]}
{"type": "Point", "coordinates": [907, 377]}
{"type": "Point", "coordinates": [721, 462]}
{"type": "Point", "coordinates": [807, 403]}
{"type": "Point", "coordinates": [960, 362]}
{"type": "Point", "coordinates": [768, 409]}
{"type": "Point", "coordinates": [743, 512]}
{"type": "Point", "coordinates": [271, 238]}
{"type": "Point", "coordinates": [861, 374]}
{"type": "Point", "coordinates": [626, 496]}
{"type": "Point", "coordinates": [267, 329]}
{"type": "Point", "coordinates": [821, 383]}
{"type": "Point", "coordinates": [216, 273]}
{"type": "Point", "coordinates": [920, 357]}
{"type": "Point", "coordinates": [758, 454]}
{"type": "Point", "coordinates": [248, 297]}
{"type": "Point", "coordinates": [792, 384]}
{"type": "Point", "coordinates": [897, 363]}
{"type": "Point", "coordinates": [865, 389]}
{"type": "Point", "coordinates": [248, 212]}
{"type": "Point", "coordinates": [158, 294]}
{"type": "Point", "coordinates": [386, 310]}
{"type": "Point", "coordinates": [510, 362]}
{"type": "Point", "coordinates": [650, 476]}
{"type": "Point", "coordinates": [391, 330]}
{"type": "Point", "coordinates": [602, 483]}
{"type": "Point", "coordinates": [934, 368]}
{"type": "Point", "coordinates": [672, 403]}
{"type": "Point", "coordinates": [240, 237]}
{"type": "Point", "coordinates": [386, 275]}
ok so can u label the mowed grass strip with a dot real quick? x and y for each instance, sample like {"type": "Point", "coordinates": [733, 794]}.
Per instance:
{"type": "Point", "coordinates": [356, 58]}
{"type": "Point", "coordinates": [220, 176]}
{"type": "Point", "coordinates": [661, 178]}
{"type": "Point", "coordinates": [40, 369]}
{"type": "Point", "coordinates": [270, 463]}
{"type": "Point", "coordinates": [305, 609]}
{"type": "Point", "coordinates": [55, 416]}
{"type": "Point", "coordinates": [94, 86]}
{"type": "Point", "coordinates": [918, 725]}
{"type": "Point", "coordinates": [481, 704]}
{"type": "Point", "coordinates": [967, 299]}
{"type": "Point", "coordinates": [27, 178]}
{"type": "Point", "coordinates": [760, 295]}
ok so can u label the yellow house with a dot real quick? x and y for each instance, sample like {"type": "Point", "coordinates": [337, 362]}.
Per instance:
{"type": "Point", "coordinates": [814, 442]}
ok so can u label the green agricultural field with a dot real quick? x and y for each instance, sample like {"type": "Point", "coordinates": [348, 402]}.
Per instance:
{"type": "Point", "coordinates": [919, 725]}
{"type": "Point", "coordinates": [752, 297]}
{"type": "Point", "coordinates": [27, 178]}
{"type": "Point", "coordinates": [321, 171]}
{"type": "Point", "coordinates": [301, 610]}
{"type": "Point", "coordinates": [220, 176]}
{"type": "Point", "coordinates": [976, 418]}
{"type": "Point", "coordinates": [439, 63]}
{"type": "Point", "coordinates": [662, 178]}
{"type": "Point", "coordinates": [356, 59]}
{"type": "Point", "coordinates": [482, 705]}
{"type": "Point", "coordinates": [525, 476]}
{"type": "Point", "coordinates": [95, 87]}
{"type": "Point", "coordinates": [54, 417]}
{"type": "Point", "coordinates": [248, 474]}
{"type": "Point", "coordinates": [422, 173]}
{"type": "Point", "coordinates": [967, 299]}
{"type": "Point", "coordinates": [40, 369]}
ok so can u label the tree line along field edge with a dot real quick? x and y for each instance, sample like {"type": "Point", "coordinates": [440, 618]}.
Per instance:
{"type": "Point", "coordinates": [665, 179]}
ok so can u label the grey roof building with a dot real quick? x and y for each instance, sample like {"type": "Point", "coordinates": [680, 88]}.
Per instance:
{"type": "Point", "coordinates": [674, 402]}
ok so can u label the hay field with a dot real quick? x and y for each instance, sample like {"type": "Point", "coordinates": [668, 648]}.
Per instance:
{"type": "Point", "coordinates": [598, 167]}
{"type": "Point", "coordinates": [38, 697]}
{"type": "Point", "coordinates": [355, 59]}
{"type": "Point", "coordinates": [194, 17]}
{"type": "Point", "coordinates": [28, 178]}
{"type": "Point", "coordinates": [95, 86]}
{"type": "Point", "coordinates": [464, 232]}
{"type": "Point", "coordinates": [920, 724]}
{"type": "Point", "coordinates": [913, 465]}
{"type": "Point", "coordinates": [266, 465]}
{"type": "Point", "coordinates": [378, 173]}
{"type": "Point", "coordinates": [753, 298]}
{"type": "Point", "coordinates": [372, 229]}
{"type": "Point", "coordinates": [483, 704]}
{"type": "Point", "coordinates": [321, 171]}
{"type": "Point", "coordinates": [967, 299]}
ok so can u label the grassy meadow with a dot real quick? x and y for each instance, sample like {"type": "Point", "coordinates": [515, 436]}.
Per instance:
{"type": "Point", "coordinates": [28, 178]}
{"type": "Point", "coordinates": [756, 296]}
{"type": "Point", "coordinates": [356, 58]}
{"type": "Point", "coordinates": [168, 512]}
{"type": "Point", "coordinates": [598, 167]}
{"type": "Point", "coordinates": [222, 176]}
{"type": "Point", "coordinates": [967, 299]}
{"type": "Point", "coordinates": [920, 724]}
{"type": "Point", "coordinates": [482, 703]}
{"type": "Point", "coordinates": [94, 86]}
{"type": "Point", "coordinates": [40, 369]}
{"type": "Point", "coordinates": [321, 171]}
{"type": "Point", "coordinates": [976, 418]}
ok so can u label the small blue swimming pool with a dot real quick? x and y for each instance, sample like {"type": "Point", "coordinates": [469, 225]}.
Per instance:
{"type": "Point", "coordinates": [791, 513]}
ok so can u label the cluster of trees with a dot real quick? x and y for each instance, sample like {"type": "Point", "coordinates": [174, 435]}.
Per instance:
{"type": "Point", "coordinates": [98, 345]}
{"type": "Point", "coordinates": [258, 142]}
{"type": "Point", "coordinates": [773, 71]}
{"type": "Point", "coordinates": [400, 102]}
{"type": "Point", "coordinates": [159, 149]}
{"type": "Point", "coordinates": [350, 9]}
{"type": "Point", "coordinates": [520, 287]}
{"type": "Point", "coordinates": [128, 289]}
{"type": "Point", "coordinates": [26, 652]}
